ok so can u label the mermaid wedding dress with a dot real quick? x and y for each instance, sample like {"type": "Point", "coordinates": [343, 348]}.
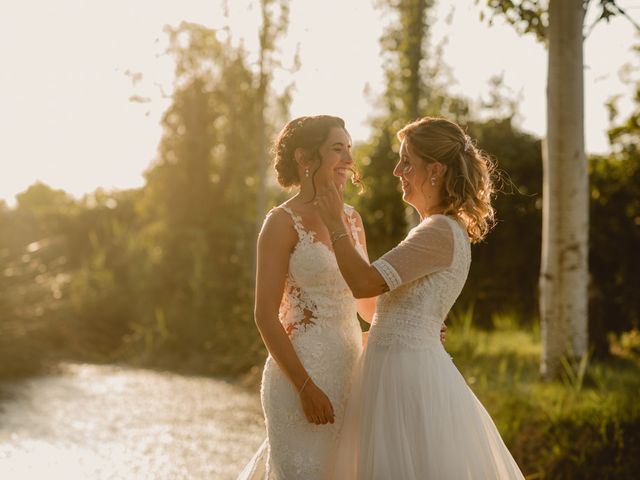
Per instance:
{"type": "Point", "coordinates": [411, 415]}
{"type": "Point", "coordinates": [318, 312]}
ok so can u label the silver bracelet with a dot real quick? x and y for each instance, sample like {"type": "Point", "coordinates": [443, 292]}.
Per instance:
{"type": "Point", "coordinates": [335, 238]}
{"type": "Point", "coordinates": [304, 384]}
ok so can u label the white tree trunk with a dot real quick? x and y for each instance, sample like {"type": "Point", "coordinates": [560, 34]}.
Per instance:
{"type": "Point", "coordinates": [564, 269]}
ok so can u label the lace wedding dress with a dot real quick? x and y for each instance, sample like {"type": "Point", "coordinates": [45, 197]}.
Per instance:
{"type": "Point", "coordinates": [318, 312]}
{"type": "Point", "coordinates": [411, 414]}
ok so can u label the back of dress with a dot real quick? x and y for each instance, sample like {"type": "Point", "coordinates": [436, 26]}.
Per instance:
{"type": "Point", "coordinates": [425, 274]}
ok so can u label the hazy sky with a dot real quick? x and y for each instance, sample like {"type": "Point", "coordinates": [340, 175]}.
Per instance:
{"type": "Point", "coordinates": [65, 117]}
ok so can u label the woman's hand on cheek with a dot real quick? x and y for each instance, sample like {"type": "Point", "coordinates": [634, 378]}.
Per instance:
{"type": "Point", "coordinates": [329, 204]}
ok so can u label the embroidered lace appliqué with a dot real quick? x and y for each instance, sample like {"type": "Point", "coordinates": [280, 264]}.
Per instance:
{"type": "Point", "coordinates": [391, 277]}
{"type": "Point", "coordinates": [319, 314]}
{"type": "Point", "coordinates": [295, 310]}
{"type": "Point", "coordinates": [396, 322]}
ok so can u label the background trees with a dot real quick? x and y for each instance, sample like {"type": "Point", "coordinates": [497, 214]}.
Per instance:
{"type": "Point", "coordinates": [564, 271]}
{"type": "Point", "coordinates": [416, 85]}
{"type": "Point", "coordinates": [162, 275]}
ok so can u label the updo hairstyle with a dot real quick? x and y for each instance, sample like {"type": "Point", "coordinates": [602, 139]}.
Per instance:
{"type": "Point", "coordinates": [308, 133]}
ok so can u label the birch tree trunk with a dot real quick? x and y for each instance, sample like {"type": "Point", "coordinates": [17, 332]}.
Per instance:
{"type": "Point", "coordinates": [564, 263]}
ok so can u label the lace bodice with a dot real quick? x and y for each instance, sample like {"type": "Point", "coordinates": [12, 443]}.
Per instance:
{"type": "Point", "coordinates": [425, 274]}
{"type": "Point", "coordinates": [315, 292]}
{"type": "Point", "coordinates": [318, 312]}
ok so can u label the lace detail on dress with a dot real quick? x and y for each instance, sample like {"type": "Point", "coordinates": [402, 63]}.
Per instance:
{"type": "Point", "coordinates": [391, 277]}
{"type": "Point", "coordinates": [409, 331]}
{"type": "Point", "coordinates": [303, 234]}
{"type": "Point", "coordinates": [355, 229]}
{"type": "Point", "coordinates": [295, 310]}
{"type": "Point", "coordinates": [318, 312]}
{"type": "Point", "coordinates": [411, 314]}
{"type": "Point", "coordinates": [298, 311]}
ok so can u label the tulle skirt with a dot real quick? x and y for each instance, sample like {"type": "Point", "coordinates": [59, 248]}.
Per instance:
{"type": "Point", "coordinates": [411, 415]}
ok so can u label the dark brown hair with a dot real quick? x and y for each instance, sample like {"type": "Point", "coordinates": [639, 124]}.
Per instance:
{"type": "Point", "coordinates": [308, 133]}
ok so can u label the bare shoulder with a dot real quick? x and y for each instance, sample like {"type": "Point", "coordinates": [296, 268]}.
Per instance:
{"type": "Point", "coordinates": [278, 229]}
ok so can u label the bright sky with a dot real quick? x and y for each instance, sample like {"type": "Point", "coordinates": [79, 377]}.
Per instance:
{"type": "Point", "coordinates": [65, 117]}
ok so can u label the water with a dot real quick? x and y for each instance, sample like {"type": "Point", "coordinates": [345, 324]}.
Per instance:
{"type": "Point", "coordinates": [107, 422]}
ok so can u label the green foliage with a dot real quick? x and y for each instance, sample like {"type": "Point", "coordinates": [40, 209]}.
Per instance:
{"type": "Point", "coordinates": [32, 277]}
{"type": "Point", "coordinates": [381, 206]}
{"type": "Point", "coordinates": [615, 235]}
{"type": "Point", "coordinates": [199, 206]}
{"type": "Point", "coordinates": [527, 16]}
{"type": "Point", "coordinates": [531, 16]}
{"type": "Point", "coordinates": [163, 274]}
{"type": "Point", "coordinates": [503, 277]}
{"type": "Point", "coordinates": [103, 288]}
{"type": "Point", "coordinates": [416, 85]}
{"type": "Point", "coordinates": [585, 427]}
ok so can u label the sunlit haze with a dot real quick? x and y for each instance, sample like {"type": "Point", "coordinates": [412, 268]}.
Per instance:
{"type": "Point", "coordinates": [66, 118]}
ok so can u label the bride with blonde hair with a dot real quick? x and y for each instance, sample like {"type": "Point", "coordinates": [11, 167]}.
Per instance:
{"type": "Point", "coordinates": [410, 414]}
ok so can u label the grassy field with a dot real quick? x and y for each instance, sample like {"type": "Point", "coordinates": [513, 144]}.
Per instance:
{"type": "Point", "coordinates": [584, 426]}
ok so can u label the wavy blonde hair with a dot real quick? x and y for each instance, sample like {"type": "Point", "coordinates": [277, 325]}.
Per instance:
{"type": "Point", "coordinates": [468, 179]}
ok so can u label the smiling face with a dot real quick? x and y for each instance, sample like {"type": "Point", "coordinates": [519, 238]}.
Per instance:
{"type": "Point", "coordinates": [413, 175]}
{"type": "Point", "coordinates": [336, 157]}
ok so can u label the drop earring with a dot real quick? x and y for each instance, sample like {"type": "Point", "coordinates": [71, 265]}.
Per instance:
{"type": "Point", "coordinates": [433, 181]}
{"type": "Point", "coordinates": [306, 172]}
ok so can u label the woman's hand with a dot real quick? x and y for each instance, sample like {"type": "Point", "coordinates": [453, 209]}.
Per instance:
{"type": "Point", "coordinates": [330, 206]}
{"type": "Point", "coordinates": [316, 405]}
{"type": "Point", "coordinates": [443, 333]}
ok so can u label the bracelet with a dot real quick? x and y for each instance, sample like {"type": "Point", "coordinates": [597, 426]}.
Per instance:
{"type": "Point", "coordinates": [335, 238]}
{"type": "Point", "coordinates": [304, 384]}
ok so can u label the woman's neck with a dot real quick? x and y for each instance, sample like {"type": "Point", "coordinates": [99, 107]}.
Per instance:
{"type": "Point", "coordinates": [305, 194]}
{"type": "Point", "coordinates": [428, 210]}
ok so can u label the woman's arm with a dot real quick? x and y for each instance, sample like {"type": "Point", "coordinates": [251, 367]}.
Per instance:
{"type": "Point", "coordinates": [275, 243]}
{"type": "Point", "coordinates": [363, 279]}
{"type": "Point", "coordinates": [366, 306]}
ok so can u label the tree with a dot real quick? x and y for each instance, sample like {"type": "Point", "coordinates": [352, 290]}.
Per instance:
{"type": "Point", "coordinates": [416, 85]}
{"type": "Point", "coordinates": [275, 20]}
{"type": "Point", "coordinates": [502, 281]}
{"type": "Point", "coordinates": [615, 232]}
{"type": "Point", "coordinates": [564, 268]}
{"type": "Point", "coordinates": [199, 201]}
{"type": "Point", "coordinates": [564, 273]}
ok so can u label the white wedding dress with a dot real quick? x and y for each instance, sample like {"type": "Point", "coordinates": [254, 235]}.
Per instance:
{"type": "Point", "coordinates": [318, 312]}
{"type": "Point", "coordinates": [411, 415]}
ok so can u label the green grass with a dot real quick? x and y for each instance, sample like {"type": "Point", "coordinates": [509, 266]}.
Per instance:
{"type": "Point", "coordinates": [584, 426]}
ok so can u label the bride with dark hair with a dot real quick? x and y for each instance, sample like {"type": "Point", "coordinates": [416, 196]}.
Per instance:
{"type": "Point", "coordinates": [305, 312]}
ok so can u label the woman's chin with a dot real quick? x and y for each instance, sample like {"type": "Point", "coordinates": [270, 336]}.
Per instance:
{"type": "Point", "coordinates": [408, 199]}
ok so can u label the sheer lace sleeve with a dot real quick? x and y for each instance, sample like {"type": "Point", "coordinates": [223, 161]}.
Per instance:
{"type": "Point", "coordinates": [427, 249]}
